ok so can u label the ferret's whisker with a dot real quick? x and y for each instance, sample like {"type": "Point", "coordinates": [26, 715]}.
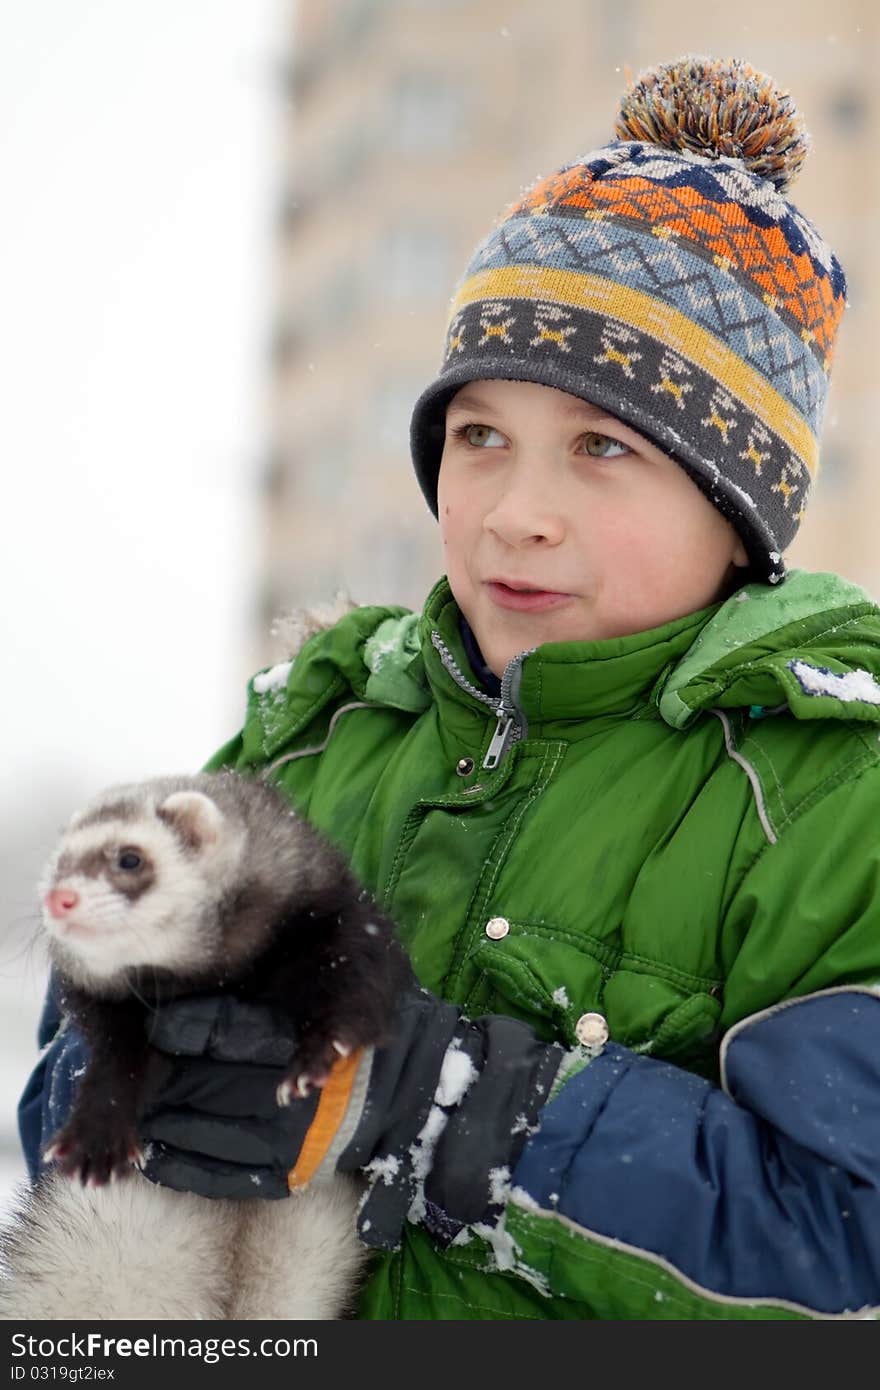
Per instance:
{"type": "Point", "coordinates": [32, 942]}
{"type": "Point", "coordinates": [151, 1008]}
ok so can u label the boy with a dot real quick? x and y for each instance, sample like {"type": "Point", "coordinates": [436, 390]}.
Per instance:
{"type": "Point", "coordinates": [616, 785]}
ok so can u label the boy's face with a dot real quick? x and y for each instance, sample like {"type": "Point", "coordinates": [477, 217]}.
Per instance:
{"type": "Point", "coordinates": [540, 491]}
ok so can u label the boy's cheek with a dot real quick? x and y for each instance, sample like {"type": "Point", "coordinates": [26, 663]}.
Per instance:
{"type": "Point", "coordinates": [455, 521]}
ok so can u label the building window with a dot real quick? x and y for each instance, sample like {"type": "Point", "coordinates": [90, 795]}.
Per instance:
{"type": "Point", "coordinates": [416, 262]}
{"type": "Point", "coordinates": [349, 157]}
{"type": "Point", "coordinates": [285, 342]}
{"type": "Point", "coordinates": [848, 109]}
{"type": "Point", "coordinates": [615, 25]}
{"type": "Point", "coordinates": [356, 19]}
{"type": "Point", "coordinates": [835, 473]}
{"type": "Point", "coordinates": [294, 209]}
{"type": "Point", "coordinates": [327, 466]}
{"type": "Point", "coordinates": [392, 410]}
{"type": "Point", "coordinates": [338, 301]}
{"type": "Point", "coordinates": [427, 113]}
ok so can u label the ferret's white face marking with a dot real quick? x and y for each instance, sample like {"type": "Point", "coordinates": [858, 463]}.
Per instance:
{"type": "Point", "coordinates": [121, 893]}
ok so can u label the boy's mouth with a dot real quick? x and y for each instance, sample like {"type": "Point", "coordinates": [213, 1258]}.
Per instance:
{"type": "Point", "coordinates": [523, 598]}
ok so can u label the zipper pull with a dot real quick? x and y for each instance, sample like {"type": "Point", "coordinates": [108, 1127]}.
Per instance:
{"type": "Point", "coordinates": [499, 742]}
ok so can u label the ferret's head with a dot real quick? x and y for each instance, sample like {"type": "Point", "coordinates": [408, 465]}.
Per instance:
{"type": "Point", "coordinates": [135, 883]}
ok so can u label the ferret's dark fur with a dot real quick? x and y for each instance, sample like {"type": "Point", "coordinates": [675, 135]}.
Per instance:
{"type": "Point", "coordinates": [174, 887]}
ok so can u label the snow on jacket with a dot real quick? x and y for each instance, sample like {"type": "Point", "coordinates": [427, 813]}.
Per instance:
{"type": "Point", "coordinates": [677, 830]}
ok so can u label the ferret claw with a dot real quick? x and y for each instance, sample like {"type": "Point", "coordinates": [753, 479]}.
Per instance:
{"type": "Point", "coordinates": [51, 1152]}
{"type": "Point", "coordinates": [308, 1081]}
{"type": "Point", "coordinates": [342, 1048]}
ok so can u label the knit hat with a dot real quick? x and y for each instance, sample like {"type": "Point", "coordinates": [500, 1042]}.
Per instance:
{"type": "Point", "coordinates": [666, 278]}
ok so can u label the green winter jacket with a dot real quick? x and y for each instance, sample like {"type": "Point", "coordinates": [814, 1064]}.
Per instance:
{"type": "Point", "coordinates": [677, 829]}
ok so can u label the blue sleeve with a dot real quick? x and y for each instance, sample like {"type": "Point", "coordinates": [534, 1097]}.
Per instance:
{"type": "Point", "coordinates": [766, 1188]}
{"type": "Point", "coordinates": [46, 1099]}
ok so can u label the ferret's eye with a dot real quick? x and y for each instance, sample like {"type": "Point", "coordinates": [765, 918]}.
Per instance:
{"type": "Point", "coordinates": [128, 859]}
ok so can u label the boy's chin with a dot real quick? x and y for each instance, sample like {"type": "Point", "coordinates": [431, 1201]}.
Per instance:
{"type": "Point", "coordinates": [503, 637]}
{"type": "Point", "coordinates": [501, 640]}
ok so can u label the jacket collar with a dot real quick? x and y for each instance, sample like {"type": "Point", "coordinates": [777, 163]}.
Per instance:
{"type": "Point", "coordinates": [559, 680]}
{"type": "Point", "coordinates": [810, 645]}
{"type": "Point", "coordinates": [483, 672]}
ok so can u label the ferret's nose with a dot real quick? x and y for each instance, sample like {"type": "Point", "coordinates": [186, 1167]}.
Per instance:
{"type": "Point", "coordinates": [60, 901]}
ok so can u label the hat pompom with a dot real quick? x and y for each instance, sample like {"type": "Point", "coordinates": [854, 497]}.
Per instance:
{"type": "Point", "coordinates": [717, 107]}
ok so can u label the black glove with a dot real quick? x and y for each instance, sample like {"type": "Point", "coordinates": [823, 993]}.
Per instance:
{"type": "Point", "coordinates": [432, 1119]}
{"type": "Point", "coordinates": [214, 1126]}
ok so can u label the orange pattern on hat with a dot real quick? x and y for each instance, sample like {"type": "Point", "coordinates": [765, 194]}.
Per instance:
{"type": "Point", "coordinates": [783, 278]}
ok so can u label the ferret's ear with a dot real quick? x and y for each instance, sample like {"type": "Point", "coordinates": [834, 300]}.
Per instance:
{"type": "Point", "coordinates": [194, 816]}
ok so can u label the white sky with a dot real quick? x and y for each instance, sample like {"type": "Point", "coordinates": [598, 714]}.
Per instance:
{"type": "Point", "coordinates": [139, 152]}
{"type": "Point", "coordinates": [140, 172]}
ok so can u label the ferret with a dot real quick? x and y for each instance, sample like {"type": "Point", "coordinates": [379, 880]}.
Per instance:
{"type": "Point", "coordinates": [182, 886]}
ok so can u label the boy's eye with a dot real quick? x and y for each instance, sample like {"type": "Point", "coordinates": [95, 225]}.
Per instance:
{"type": "Point", "coordinates": [480, 436]}
{"type": "Point", "coordinates": [600, 446]}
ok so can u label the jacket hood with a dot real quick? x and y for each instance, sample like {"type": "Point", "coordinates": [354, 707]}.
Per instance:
{"type": "Point", "coordinates": [812, 644]}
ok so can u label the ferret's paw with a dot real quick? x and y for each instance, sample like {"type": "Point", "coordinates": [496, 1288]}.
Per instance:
{"type": "Point", "coordinates": [93, 1159]}
{"type": "Point", "coordinates": [285, 1091]}
{"type": "Point", "coordinates": [298, 1087]}
{"type": "Point", "coordinates": [311, 1067]}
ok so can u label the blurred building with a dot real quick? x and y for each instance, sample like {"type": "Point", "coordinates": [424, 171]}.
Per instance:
{"type": "Point", "coordinates": [411, 124]}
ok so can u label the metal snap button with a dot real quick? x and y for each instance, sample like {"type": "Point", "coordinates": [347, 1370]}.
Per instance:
{"type": "Point", "coordinates": [497, 927]}
{"type": "Point", "coordinates": [591, 1030]}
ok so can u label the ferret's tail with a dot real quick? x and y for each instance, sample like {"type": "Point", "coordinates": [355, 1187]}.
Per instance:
{"type": "Point", "coordinates": [300, 1258]}
{"type": "Point", "coordinates": [128, 1250]}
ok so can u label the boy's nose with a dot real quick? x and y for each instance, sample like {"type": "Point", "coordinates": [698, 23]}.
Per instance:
{"type": "Point", "coordinates": [523, 516]}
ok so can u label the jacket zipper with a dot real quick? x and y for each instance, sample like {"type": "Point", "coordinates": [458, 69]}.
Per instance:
{"type": "Point", "coordinates": [511, 724]}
